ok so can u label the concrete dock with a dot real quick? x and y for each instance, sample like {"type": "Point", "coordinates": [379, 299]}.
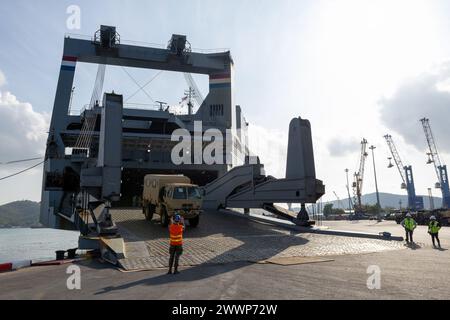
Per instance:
{"type": "Point", "coordinates": [222, 271]}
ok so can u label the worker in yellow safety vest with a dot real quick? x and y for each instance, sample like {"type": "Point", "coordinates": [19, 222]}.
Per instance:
{"type": "Point", "coordinates": [433, 229]}
{"type": "Point", "coordinates": [409, 224]}
{"type": "Point", "coordinates": [176, 229]}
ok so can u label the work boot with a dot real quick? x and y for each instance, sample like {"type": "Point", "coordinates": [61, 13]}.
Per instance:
{"type": "Point", "coordinates": [170, 272]}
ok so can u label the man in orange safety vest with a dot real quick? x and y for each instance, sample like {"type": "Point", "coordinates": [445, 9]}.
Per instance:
{"type": "Point", "coordinates": [176, 229]}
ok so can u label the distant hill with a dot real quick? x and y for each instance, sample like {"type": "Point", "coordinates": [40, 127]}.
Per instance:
{"type": "Point", "coordinates": [19, 214]}
{"type": "Point", "coordinates": [386, 200]}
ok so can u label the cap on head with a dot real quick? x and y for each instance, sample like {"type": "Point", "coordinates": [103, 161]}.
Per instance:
{"type": "Point", "coordinates": [177, 218]}
{"type": "Point", "coordinates": [432, 218]}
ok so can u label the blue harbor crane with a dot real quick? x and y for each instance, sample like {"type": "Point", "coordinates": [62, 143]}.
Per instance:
{"type": "Point", "coordinates": [441, 170]}
{"type": "Point", "coordinates": [406, 173]}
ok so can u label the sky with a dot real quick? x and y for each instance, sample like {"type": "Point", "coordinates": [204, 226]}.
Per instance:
{"type": "Point", "coordinates": [354, 68]}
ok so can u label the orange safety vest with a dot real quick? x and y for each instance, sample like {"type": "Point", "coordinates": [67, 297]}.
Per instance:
{"type": "Point", "coordinates": [176, 234]}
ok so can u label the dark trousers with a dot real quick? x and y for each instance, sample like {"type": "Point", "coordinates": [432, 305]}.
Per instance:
{"type": "Point", "coordinates": [435, 236]}
{"type": "Point", "coordinates": [409, 235]}
{"type": "Point", "coordinates": [175, 253]}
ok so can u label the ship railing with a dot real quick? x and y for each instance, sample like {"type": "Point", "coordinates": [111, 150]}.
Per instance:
{"type": "Point", "coordinates": [146, 44]}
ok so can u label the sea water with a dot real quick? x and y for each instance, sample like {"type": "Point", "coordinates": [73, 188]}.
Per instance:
{"type": "Point", "coordinates": [18, 244]}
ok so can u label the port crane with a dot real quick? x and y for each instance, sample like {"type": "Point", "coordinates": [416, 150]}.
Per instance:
{"type": "Point", "coordinates": [359, 177]}
{"type": "Point", "coordinates": [339, 201]}
{"type": "Point", "coordinates": [406, 173]}
{"type": "Point", "coordinates": [350, 203]}
{"type": "Point", "coordinates": [441, 169]}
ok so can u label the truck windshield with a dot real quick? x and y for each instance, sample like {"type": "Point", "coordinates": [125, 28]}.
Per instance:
{"type": "Point", "coordinates": [179, 193]}
{"type": "Point", "coordinates": [194, 193]}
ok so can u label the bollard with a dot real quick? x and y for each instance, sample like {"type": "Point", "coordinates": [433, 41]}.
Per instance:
{"type": "Point", "coordinates": [60, 254]}
{"type": "Point", "coordinates": [71, 253]}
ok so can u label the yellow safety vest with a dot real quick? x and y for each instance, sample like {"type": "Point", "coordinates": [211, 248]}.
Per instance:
{"type": "Point", "coordinates": [410, 224]}
{"type": "Point", "coordinates": [433, 227]}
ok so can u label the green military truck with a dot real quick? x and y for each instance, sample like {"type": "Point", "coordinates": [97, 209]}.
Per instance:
{"type": "Point", "coordinates": [166, 195]}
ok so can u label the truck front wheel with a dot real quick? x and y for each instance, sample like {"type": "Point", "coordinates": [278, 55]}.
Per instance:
{"type": "Point", "coordinates": [164, 218]}
{"type": "Point", "coordinates": [193, 222]}
{"type": "Point", "coordinates": [148, 212]}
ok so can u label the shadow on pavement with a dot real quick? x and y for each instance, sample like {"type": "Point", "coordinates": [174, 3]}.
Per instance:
{"type": "Point", "coordinates": [136, 228]}
{"type": "Point", "coordinates": [213, 267]}
{"type": "Point", "coordinates": [259, 242]}
{"type": "Point", "coordinates": [413, 246]}
{"type": "Point", "coordinates": [188, 274]}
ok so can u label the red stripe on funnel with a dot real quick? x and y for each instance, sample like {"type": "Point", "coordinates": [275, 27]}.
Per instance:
{"type": "Point", "coordinates": [69, 58]}
{"type": "Point", "coordinates": [220, 76]}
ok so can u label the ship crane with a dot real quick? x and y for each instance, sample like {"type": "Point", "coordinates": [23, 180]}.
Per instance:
{"type": "Point", "coordinates": [359, 178]}
{"type": "Point", "coordinates": [339, 201]}
{"type": "Point", "coordinates": [414, 202]}
{"type": "Point", "coordinates": [433, 157]}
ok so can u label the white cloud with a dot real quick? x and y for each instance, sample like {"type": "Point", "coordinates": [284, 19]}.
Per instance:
{"type": "Point", "coordinates": [2, 79]}
{"type": "Point", "coordinates": [23, 131]}
{"type": "Point", "coordinates": [22, 135]}
{"type": "Point", "coordinates": [423, 96]}
{"type": "Point", "coordinates": [343, 146]}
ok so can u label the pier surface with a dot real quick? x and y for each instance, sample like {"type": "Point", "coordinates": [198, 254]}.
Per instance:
{"type": "Point", "coordinates": [223, 258]}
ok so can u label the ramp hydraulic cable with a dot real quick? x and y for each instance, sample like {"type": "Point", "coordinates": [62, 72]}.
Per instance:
{"type": "Point", "coordinates": [22, 171]}
{"type": "Point", "coordinates": [85, 138]}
